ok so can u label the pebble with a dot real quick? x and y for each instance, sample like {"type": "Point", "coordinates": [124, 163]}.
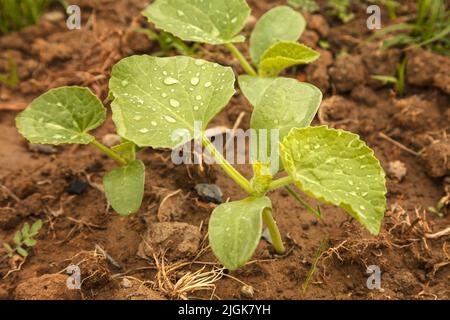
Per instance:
{"type": "Point", "coordinates": [209, 192]}
{"type": "Point", "coordinates": [111, 140]}
{"type": "Point", "coordinates": [42, 148]}
{"type": "Point", "coordinates": [247, 291]}
{"type": "Point", "coordinates": [77, 187]}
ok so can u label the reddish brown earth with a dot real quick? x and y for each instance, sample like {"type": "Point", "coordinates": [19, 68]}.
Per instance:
{"type": "Point", "coordinates": [409, 135]}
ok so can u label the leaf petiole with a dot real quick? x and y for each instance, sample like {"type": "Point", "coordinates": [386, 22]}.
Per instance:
{"type": "Point", "coordinates": [226, 166]}
{"type": "Point", "coordinates": [238, 55]}
{"type": "Point", "coordinates": [280, 183]}
{"type": "Point", "coordinates": [113, 155]}
{"type": "Point", "coordinates": [275, 235]}
{"type": "Point", "coordinates": [303, 202]}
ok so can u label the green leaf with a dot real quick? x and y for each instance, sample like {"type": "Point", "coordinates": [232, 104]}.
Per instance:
{"type": "Point", "coordinates": [26, 230]}
{"type": "Point", "coordinates": [157, 100]}
{"type": "Point", "coordinates": [36, 227]}
{"type": "Point", "coordinates": [30, 242]}
{"type": "Point", "coordinates": [126, 149]}
{"type": "Point", "coordinates": [235, 230]}
{"type": "Point", "coordinates": [283, 55]}
{"type": "Point", "coordinates": [307, 5]}
{"type": "Point", "coordinates": [279, 103]}
{"type": "Point", "coordinates": [211, 21]}
{"type": "Point", "coordinates": [124, 187]}
{"type": "Point", "coordinates": [22, 251]}
{"type": "Point", "coordinates": [62, 115]}
{"type": "Point", "coordinates": [337, 167]}
{"type": "Point", "coordinates": [279, 24]}
{"type": "Point", "coordinates": [17, 237]}
{"type": "Point", "coordinates": [7, 247]}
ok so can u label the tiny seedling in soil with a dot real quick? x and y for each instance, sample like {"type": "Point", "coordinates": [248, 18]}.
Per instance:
{"type": "Point", "coordinates": [398, 81]}
{"type": "Point", "coordinates": [11, 79]}
{"type": "Point", "coordinates": [153, 98]}
{"type": "Point", "coordinates": [16, 14]}
{"type": "Point", "coordinates": [23, 239]}
{"type": "Point", "coordinates": [429, 28]}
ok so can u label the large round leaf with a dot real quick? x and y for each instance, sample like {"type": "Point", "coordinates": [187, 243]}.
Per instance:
{"type": "Point", "coordinates": [279, 24]}
{"type": "Point", "coordinates": [207, 21]}
{"type": "Point", "coordinates": [235, 230]}
{"type": "Point", "coordinates": [158, 100]}
{"type": "Point", "coordinates": [336, 167]}
{"type": "Point", "coordinates": [279, 103]}
{"type": "Point", "coordinates": [62, 115]}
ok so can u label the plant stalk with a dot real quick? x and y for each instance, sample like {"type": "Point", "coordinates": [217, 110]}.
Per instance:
{"type": "Point", "coordinates": [109, 152]}
{"type": "Point", "coordinates": [226, 166]}
{"type": "Point", "coordinates": [303, 202]}
{"type": "Point", "coordinates": [238, 55]}
{"type": "Point", "coordinates": [280, 183]}
{"type": "Point", "coordinates": [271, 224]}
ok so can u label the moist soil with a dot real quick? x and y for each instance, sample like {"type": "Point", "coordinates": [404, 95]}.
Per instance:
{"type": "Point", "coordinates": [158, 252]}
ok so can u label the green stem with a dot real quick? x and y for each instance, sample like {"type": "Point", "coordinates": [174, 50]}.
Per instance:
{"type": "Point", "coordinates": [303, 202]}
{"type": "Point", "coordinates": [280, 183]}
{"type": "Point", "coordinates": [226, 166]}
{"type": "Point", "coordinates": [271, 224]}
{"type": "Point", "coordinates": [238, 55]}
{"type": "Point", "coordinates": [109, 152]}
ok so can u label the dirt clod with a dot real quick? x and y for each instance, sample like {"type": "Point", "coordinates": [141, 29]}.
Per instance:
{"type": "Point", "coordinates": [397, 170]}
{"type": "Point", "coordinates": [436, 158]}
{"type": "Point", "coordinates": [181, 240]}
{"type": "Point", "coordinates": [347, 72]}
{"type": "Point", "coordinates": [77, 187]}
{"type": "Point", "coordinates": [46, 287]}
{"type": "Point", "coordinates": [247, 291]}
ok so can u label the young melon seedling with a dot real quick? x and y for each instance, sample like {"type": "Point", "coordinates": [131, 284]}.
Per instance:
{"type": "Point", "coordinates": [24, 239]}
{"type": "Point", "coordinates": [166, 102]}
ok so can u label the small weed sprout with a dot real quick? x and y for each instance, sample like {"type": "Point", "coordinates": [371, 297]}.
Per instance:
{"type": "Point", "coordinates": [23, 239]}
{"type": "Point", "coordinates": [155, 98]}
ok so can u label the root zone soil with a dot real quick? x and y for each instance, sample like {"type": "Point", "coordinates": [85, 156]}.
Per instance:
{"type": "Point", "coordinates": [162, 252]}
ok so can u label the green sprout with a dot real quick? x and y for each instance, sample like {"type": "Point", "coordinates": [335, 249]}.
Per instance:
{"type": "Point", "coordinates": [429, 28]}
{"type": "Point", "coordinates": [24, 239]}
{"type": "Point", "coordinates": [158, 102]}
{"type": "Point", "coordinates": [398, 81]}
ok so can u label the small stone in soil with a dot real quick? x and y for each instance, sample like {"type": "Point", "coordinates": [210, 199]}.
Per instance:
{"type": "Point", "coordinates": [397, 170]}
{"type": "Point", "coordinates": [209, 192]}
{"type": "Point", "coordinates": [247, 291]}
{"type": "Point", "coordinates": [77, 187]}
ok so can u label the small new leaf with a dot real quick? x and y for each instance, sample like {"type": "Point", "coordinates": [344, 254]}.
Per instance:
{"type": "Point", "coordinates": [124, 187]}
{"type": "Point", "coordinates": [36, 227]}
{"type": "Point", "coordinates": [62, 115]}
{"type": "Point", "coordinates": [30, 242]}
{"type": "Point", "coordinates": [26, 230]}
{"type": "Point", "coordinates": [279, 24]}
{"type": "Point", "coordinates": [279, 103]}
{"type": "Point", "coordinates": [22, 252]}
{"type": "Point", "coordinates": [235, 230]}
{"type": "Point", "coordinates": [17, 237]}
{"type": "Point", "coordinates": [207, 21]}
{"type": "Point", "coordinates": [283, 55]}
{"type": "Point", "coordinates": [336, 167]}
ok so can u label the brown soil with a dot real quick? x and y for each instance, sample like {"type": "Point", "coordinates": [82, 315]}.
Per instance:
{"type": "Point", "coordinates": [143, 256]}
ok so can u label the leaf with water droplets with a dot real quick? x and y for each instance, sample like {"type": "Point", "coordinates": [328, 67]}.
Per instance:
{"type": "Point", "coordinates": [279, 24]}
{"type": "Point", "coordinates": [62, 115]}
{"type": "Point", "coordinates": [279, 103]}
{"type": "Point", "coordinates": [336, 167]}
{"type": "Point", "coordinates": [154, 112]}
{"type": "Point", "coordinates": [207, 21]}
{"type": "Point", "coordinates": [124, 187]}
{"type": "Point", "coordinates": [235, 230]}
{"type": "Point", "coordinates": [283, 55]}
